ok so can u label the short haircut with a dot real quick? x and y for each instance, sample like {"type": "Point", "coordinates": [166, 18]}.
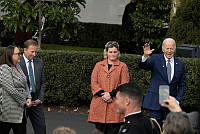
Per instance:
{"type": "Point", "coordinates": [132, 90]}
{"type": "Point", "coordinates": [6, 57]}
{"type": "Point", "coordinates": [30, 42]}
{"type": "Point", "coordinates": [177, 123]}
{"type": "Point", "coordinates": [63, 130]}
{"type": "Point", "coordinates": [168, 40]}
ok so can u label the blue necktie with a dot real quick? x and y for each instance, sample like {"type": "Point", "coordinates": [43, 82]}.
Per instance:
{"type": "Point", "coordinates": [31, 76]}
{"type": "Point", "coordinates": [169, 70]}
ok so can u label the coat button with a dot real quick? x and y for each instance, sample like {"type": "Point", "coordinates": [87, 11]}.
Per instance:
{"type": "Point", "coordinates": [108, 76]}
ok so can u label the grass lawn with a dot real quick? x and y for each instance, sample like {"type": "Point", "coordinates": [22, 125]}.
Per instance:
{"type": "Point", "coordinates": [74, 48]}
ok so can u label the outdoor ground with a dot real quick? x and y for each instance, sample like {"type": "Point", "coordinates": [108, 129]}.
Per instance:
{"type": "Point", "coordinates": [82, 109]}
{"type": "Point", "coordinates": [75, 118]}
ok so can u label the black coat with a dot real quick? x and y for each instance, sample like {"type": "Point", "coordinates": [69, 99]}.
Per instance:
{"type": "Point", "coordinates": [136, 124]}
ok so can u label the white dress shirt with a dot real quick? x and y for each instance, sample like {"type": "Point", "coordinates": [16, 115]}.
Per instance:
{"type": "Point", "coordinates": [133, 113]}
{"type": "Point", "coordinates": [27, 64]}
{"type": "Point", "coordinates": [171, 63]}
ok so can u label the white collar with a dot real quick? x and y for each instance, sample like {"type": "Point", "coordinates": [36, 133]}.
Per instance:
{"type": "Point", "coordinates": [166, 59]}
{"type": "Point", "coordinates": [133, 113]}
{"type": "Point", "coordinates": [25, 59]}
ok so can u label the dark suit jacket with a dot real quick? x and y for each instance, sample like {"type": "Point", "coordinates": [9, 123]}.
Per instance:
{"type": "Point", "coordinates": [136, 124]}
{"type": "Point", "coordinates": [39, 77]}
{"type": "Point", "coordinates": [157, 65]}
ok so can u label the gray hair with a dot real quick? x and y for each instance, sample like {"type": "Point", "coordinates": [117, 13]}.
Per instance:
{"type": "Point", "coordinates": [63, 130]}
{"type": "Point", "coordinates": [177, 123]}
{"type": "Point", "coordinates": [167, 40]}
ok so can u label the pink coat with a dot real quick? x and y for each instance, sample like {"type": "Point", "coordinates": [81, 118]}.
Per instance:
{"type": "Point", "coordinates": [102, 79]}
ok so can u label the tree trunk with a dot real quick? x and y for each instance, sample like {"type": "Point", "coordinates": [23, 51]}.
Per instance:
{"type": "Point", "coordinates": [40, 30]}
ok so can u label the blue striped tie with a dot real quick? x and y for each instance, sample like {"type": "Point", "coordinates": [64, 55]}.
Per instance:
{"type": "Point", "coordinates": [31, 76]}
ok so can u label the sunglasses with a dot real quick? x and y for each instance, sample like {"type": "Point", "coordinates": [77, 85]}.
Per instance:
{"type": "Point", "coordinates": [110, 44]}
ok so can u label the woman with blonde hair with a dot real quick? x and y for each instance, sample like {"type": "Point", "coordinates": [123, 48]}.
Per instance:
{"type": "Point", "coordinates": [106, 76]}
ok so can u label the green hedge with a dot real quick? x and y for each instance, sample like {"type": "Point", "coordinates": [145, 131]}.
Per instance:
{"type": "Point", "coordinates": [68, 76]}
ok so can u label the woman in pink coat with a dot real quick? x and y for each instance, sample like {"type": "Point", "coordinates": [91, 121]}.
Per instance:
{"type": "Point", "coordinates": [106, 76]}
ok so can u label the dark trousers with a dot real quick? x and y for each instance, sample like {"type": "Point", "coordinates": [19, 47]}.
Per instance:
{"type": "Point", "coordinates": [159, 115]}
{"type": "Point", "coordinates": [108, 128]}
{"type": "Point", "coordinates": [37, 118]}
{"type": "Point", "coordinates": [18, 128]}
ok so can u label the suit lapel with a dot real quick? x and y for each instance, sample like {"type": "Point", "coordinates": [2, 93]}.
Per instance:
{"type": "Point", "coordinates": [175, 68]}
{"type": "Point", "coordinates": [35, 63]}
{"type": "Point", "coordinates": [164, 68]}
{"type": "Point", "coordinates": [105, 66]}
{"type": "Point", "coordinates": [23, 66]}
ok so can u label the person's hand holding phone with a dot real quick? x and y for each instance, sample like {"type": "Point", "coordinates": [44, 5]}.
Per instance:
{"type": "Point", "coordinates": [171, 104]}
{"type": "Point", "coordinates": [163, 93]}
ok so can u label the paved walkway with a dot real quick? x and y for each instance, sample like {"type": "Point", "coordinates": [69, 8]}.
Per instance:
{"type": "Point", "coordinates": [74, 120]}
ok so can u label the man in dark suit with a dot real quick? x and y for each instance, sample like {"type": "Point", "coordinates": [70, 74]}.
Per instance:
{"type": "Point", "coordinates": [128, 101]}
{"type": "Point", "coordinates": [165, 70]}
{"type": "Point", "coordinates": [33, 68]}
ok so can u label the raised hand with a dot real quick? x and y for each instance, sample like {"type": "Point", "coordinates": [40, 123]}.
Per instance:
{"type": "Point", "coordinates": [147, 50]}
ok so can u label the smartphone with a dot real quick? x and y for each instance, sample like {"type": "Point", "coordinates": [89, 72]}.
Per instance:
{"type": "Point", "coordinates": [163, 93]}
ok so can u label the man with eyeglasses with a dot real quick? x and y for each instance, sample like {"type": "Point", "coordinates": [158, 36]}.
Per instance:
{"type": "Point", "coordinates": [166, 70]}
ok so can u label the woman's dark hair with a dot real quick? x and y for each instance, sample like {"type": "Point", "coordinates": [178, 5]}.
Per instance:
{"type": "Point", "coordinates": [6, 57]}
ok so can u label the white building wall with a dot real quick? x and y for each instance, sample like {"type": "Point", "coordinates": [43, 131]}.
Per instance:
{"type": "Point", "coordinates": [103, 11]}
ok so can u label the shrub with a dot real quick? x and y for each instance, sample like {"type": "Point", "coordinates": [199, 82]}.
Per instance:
{"type": "Point", "coordinates": [68, 76]}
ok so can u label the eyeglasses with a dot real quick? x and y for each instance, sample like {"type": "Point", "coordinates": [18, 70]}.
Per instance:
{"type": "Point", "coordinates": [112, 44]}
{"type": "Point", "coordinates": [169, 49]}
{"type": "Point", "coordinates": [19, 54]}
